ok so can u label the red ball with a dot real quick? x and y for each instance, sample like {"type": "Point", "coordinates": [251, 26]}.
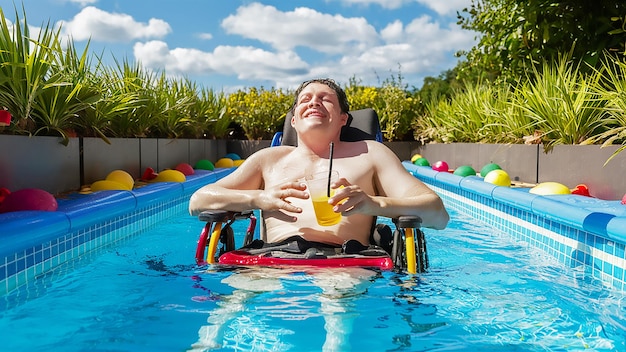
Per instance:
{"type": "Point", "coordinates": [624, 199]}
{"type": "Point", "coordinates": [185, 168]}
{"type": "Point", "coordinates": [441, 166]}
{"type": "Point", "coordinates": [29, 199]}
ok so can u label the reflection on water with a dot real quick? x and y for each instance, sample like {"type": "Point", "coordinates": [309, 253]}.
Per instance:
{"type": "Point", "coordinates": [482, 292]}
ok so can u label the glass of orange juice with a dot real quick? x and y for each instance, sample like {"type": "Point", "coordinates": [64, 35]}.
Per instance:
{"type": "Point", "coordinates": [318, 188]}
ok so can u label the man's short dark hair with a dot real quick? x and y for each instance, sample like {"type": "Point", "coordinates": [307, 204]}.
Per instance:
{"type": "Point", "coordinates": [341, 95]}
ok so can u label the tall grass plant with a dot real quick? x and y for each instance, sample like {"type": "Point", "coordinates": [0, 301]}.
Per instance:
{"type": "Point", "coordinates": [51, 88]}
{"type": "Point", "coordinates": [563, 103]}
{"type": "Point", "coordinates": [613, 90]}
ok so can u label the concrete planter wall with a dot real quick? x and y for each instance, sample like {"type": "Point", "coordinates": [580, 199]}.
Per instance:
{"type": "Point", "coordinates": [568, 164]}
{"type": "Point", "coordinates": [41, 162]}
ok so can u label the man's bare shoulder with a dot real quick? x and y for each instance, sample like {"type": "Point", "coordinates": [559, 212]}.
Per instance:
{"type": "Point", "coordinates": [377, 149]}
{"type": "Point", "coordinates": [274, 152]}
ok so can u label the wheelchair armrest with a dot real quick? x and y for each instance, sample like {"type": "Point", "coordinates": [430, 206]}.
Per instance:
{"type": "Point", "coordinates": [408, 221]}
{"type": "Point", "coordinates": [223, 215]}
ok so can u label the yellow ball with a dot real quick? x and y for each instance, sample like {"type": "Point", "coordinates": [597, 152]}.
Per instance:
{"type": "Point", "coordinates": [170, 176]}
{"type": "Point", "coordinates": [225, 162]}
{"type": "Point", "coordinates": [498, 178]}
{"type": "Point", "coordinates": [108, 185]}
{"type": "Point", "coordinates": [122, 177]}
{"type": "Point", "coordinates": [237, 163]}
{"type": "Point", "coordinates": [548, 188]}
{"type": "Point", "coordinates": [415, 157]}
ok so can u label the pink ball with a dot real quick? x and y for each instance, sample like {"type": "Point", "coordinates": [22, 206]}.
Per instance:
{"type": "Point", "coordinates": [441, 166]}
{"type": "Point", "coordinates": [29, 199]}
{"type": "Point", "coordinates": [185, 168]}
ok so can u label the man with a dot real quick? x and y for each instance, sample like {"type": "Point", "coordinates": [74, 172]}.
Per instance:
{"type": "Point", "coordinates": [372, 180]}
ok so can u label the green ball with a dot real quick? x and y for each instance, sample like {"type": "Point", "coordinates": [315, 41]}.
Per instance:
{"type": "Point", "coordinates": [465, 170]}
{"type": "Point", "coordinates": [204, 165]}
{"type": "Point", "coordinates": [488, 168]}
{"type": "Point", "coordinates": [421, 162]}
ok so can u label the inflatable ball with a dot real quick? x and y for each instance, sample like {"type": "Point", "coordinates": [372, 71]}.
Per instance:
{"type": "Point", "coordinates": [204, 164]}
{"type": "Point", "coordinates": [225, 163]}
{"type": "Point", "coordinates": [122, 177]}
{"type": "Point", "coordinates": [28, 199]}
{"type": "Point", "coordinates": [498, 178]}
{"type": "Point", "coordinates": [170, 176]}
{"type": "Point", "coordinates": [550, 188]}
{"type": "Point", "coordinates": [465, 171]}
{"type": "Point", "coordinates": [185, 168]}
{"type": "Point", "coordinates": [441, 166]}
{"type": "Point", "coordinates": [422, 162]}
{"type": "Point", "coordinates": [488, 168]}
{"type": "Point", "coordinates": [415, 157]}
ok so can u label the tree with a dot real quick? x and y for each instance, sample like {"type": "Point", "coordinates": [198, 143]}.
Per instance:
{"type": "Point", "coordinates": [516, 35]}
{"type": "Point", "coordinates": [435, 88]}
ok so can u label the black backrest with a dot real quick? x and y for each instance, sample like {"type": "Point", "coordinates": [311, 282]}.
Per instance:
{"type": "Point", "coordinates": [362, 125]}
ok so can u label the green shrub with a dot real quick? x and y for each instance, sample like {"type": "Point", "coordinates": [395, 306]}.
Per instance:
{"type": "Point", "coordinates": [258, 111]}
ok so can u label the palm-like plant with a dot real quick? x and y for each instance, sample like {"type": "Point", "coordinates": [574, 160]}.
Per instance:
{"type": "Point", "coordinates": [68, 92]}
{"type": "Point", "coordinates": [126, 104]}
{"type": "Point", "coordinates": [25, 65]}
{"type": "Point", "coordinates": [115, 102]}
{"type": "Point", "coordinates": [563, 103]}
{"type": "Point", "coordinates": [474, 114]}
{"type": "Point", "coordinates": [171, 102]}
{"type": "Point", "coordinates": [613, 90]}
{"type": "Point", "coordinates": [209, 114]}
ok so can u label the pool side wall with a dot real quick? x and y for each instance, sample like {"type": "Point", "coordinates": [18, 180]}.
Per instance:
{"type": "Point", "coordinates": [36, 242]}
{"type": "Point", "coordinates": [580, 232]}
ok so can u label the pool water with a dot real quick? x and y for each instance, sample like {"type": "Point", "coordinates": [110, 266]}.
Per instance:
{"type": "Point", "coordinates": [483, 292]}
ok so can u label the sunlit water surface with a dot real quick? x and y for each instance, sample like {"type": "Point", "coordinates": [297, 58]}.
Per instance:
{"type": "Point", "coordinates": [483, 292]}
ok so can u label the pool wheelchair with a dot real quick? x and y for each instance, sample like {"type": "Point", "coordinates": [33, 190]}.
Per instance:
{"type": "Point", "coordinates": [403, 249]}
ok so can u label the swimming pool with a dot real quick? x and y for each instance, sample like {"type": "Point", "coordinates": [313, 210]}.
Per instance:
{"type": "Point", "coordinates": [484, 291]}
{"type": "Point", "coordinates": [64, 256]}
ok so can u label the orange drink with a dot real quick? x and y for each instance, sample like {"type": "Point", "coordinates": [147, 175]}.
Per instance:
{"type": "Point", "coordinates": [318, 188]}
{"type": "Point", "coordinates": [324, 211]}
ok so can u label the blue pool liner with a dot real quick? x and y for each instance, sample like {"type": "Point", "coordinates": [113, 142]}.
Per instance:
{"type": "Point", "coordinates": [590, 214]}
{"type": "Point", "coordinates": [36, 241]}
{"type": "Point", "coordinates": [576, 230]}
{"type": "Point", "coordinates": [582, 232]}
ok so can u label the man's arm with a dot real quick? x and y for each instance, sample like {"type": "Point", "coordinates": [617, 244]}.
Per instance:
{"type": "Point", "coordinates": [244, 190]}
{"type": "Point", "coordinates": [398, 192]}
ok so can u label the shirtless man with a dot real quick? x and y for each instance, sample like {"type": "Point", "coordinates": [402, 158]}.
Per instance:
{"type": "Point", "coordinates": [372, 181]}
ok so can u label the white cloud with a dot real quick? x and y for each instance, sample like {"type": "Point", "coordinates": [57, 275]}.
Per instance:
{"type": "Point", "coordinates": [205, 36]}
{"type": "Point", "coordinates": [302, 27]}
{"type": "Point", "coordinates": [418, 49]}
{"type": "Point", "coordinates": [243, 61]}
{"type": "Point", "coordinates": [350, 47]}
{"type": "Point", "coordinates": [442, 7]}
{"type": "Point", "coordinates": [387, 4]}
{"type": "Point", "coordinates": [425, 34]}
{"type": "Point", "coordinates": [394, 32]}
{"type": "Point", "coordinates": [83, 3]}
{"type": "Point", "coordinates": [100, 25]}
{"type": "Point", "coordinates": [445, 7]}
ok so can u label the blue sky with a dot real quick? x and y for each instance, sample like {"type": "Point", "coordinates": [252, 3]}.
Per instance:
{"type": "Point", "coordinates": [227, 45]}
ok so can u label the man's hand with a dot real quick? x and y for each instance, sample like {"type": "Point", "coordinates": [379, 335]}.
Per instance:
{"type": "Point", "coordinates": [349, 199]}
{"type": "Point", "coordinates": [275, 198]}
